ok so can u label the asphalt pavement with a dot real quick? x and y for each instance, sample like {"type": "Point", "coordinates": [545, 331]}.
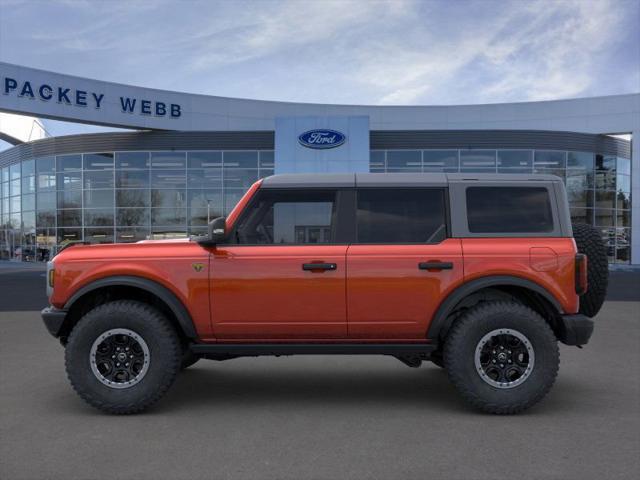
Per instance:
{"type": "Point", "coordinates": [318, 417]}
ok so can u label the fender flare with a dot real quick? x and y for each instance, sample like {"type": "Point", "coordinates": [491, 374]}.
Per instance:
{"type": "Point", "coordinates": [163, 293]}
{"type": "Point", "coordinates": [441, 323]}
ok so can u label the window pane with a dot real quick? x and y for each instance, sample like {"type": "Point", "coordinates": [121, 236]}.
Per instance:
{"type": "Point", "coordinates": [266, 159]}
{"type": "Point", "coordinates": [46, 181]}
{"type": "Point", "coordinates": [98, 235]}
{"type": "Point", "coordinates": [605, 199]}
{"type": "Point", "coordinates": [98, 179]}
{"type": "Point", "coordinates": [623, 218]}
{"type": "Point", "coordinates": [98, 217]}
{"type": "Point", "coordinates": [70, 199]}
{"type": "Point", "coordinates": [376, 159]}
{"type": "Point", "coordinates": [45, 165]}
{"type": "Point", "coordinates": [204, 159]}
{"type": "Point", "coordinates": [205, 178]}
{"type": "Point", "coordinates": [509, 210]}
{"type": "Point", "coordinates": [477, 161]}
{"type": "Point", "coordinates": [604, 218]}
{"type": "Point", "coordinates": [69, 162]}
{"type": "Point", "coordinates": [14, 204]}
{"type": "Point", "coordinates": [66, 235]}
{"type": "Point", "coordinates": [132, 160]}
{"type": "Point", "coordinates": [239, 178]}
{"type": "Point", "coordinates": [401, 216]}
{"type": "Point", "coordinates": [14, 171]}
{"type": "Point", "coordinates": [168, 159]}
{"type": "Point", "coordinates": [46, 218]}
{"type": "Point", "coordinates": [522, 160]}
{"type": "Point", "coordinates": [550, 159]}
{"type": "Point", "coordinates": [168, 179]}
{"type": "Point", "coordinates": [168, 198]}
{"type": "Point", "coordinates": [168, 216]}
{"type": "Point", "coordinates": [69, 180]}
{"type": "Point", "coordinates": [127, 235]}
{"type": "Point", "coordinates": [5, 174]}
{"type": "Point", "coordinates": [132, 179]}
{"type": "Point", "coordinates": [29, 202]}
{"type": "Point", "coordinates": [288, 218]}
{"type": "Point", "coordinates": [582, 160]}
{"type": "Point", "coordinates": [98, 161]}
{"type": "Point", "coordinates": [582, 215]}
{"type": "Point", "coordinates": [98, 199]}
{"type": "Point", "coordinates": [28, 168]}
{"type": "Point", "coordinates": [623, 183]}
{"type": "Point", "coordinates": [624, 200]}
{"type": "Point", "coordinates": [69, 218]}
{"type": "Point", "coordinates": [407, 160]}
{"type": "Point", "coordinates": [28, 184]}
{"type": "Point", "coordinates": [241, 159]}
{"type": "Point", "coordinates": [440, 160]}
{"type": "Point", "coordinates": [14, 187]}
{"type": "Point", "coordinates": [132, 216]}
{"type": "Point", "coordinates": [132, 198]}
{"type": "Point", "coordinates": [623, 166]}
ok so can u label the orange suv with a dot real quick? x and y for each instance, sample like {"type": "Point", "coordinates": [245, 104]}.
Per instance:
{"type": "Point", "coordinates": [480, 274]}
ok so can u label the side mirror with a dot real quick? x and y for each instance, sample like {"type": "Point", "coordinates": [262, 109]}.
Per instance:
{"type": "Point", "coordinates": [217, 232]}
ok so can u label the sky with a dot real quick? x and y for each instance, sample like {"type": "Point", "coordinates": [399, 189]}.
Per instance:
{"type": "Point", "coordinates": [394, 52]}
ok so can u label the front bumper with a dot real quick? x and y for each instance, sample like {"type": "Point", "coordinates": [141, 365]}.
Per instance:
{"type": "Point", "coordinates": [54, 320]}
{"type": "Point", "coordinates": [575, 329]}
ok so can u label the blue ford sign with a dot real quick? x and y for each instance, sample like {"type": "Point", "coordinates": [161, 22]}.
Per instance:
{"type": "Point", "coordinates": [322, 138]}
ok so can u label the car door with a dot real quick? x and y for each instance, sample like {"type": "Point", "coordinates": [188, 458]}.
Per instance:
{"type": "Point", "coordinates": [282, 277]}
{"type": "Point", "coordinates": [402, 263]}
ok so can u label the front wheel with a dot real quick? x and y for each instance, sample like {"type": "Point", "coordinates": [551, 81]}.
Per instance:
{"type": "Point", "coordinates": [122, 356]}
{"type": "Point", "coordinates": [502, 357]}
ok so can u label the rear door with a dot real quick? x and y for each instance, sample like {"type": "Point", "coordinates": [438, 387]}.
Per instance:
{"type": "Point", "coordinates": [283, 277]}
{"type": "Point", "coordinates": [402, 263]}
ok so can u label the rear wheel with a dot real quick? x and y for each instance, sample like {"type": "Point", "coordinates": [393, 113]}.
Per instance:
{"type": "Point", "coordinates": [589, 242]}
{"type": "Point", "coordinates": [122, 356]}
{"type": "Point", "coordinates": [502, 357]}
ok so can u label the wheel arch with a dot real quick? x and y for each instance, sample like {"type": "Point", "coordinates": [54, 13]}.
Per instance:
{"type": "Point", "coordinates": [136, 288]}
{"type": "Point", "coordinates": [524, 290]}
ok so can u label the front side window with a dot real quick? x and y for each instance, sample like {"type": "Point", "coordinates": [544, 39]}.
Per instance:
{"type": "Point", "coordinates": [401, 215]}
{"type": "Point", "coordinates": [288, 217]}
{"type": "Point", "coordinates": [509, 210]}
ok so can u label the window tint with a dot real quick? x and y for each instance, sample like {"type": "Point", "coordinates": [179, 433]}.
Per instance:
{"type": "Point", "coordinates": [401, 215]}
{"type": "Point", "coordinates": [509, 210]}
{"type": "Point", "coordinates": [289, 217]}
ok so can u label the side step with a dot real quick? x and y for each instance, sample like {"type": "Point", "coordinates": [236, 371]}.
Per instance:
{"type": "Point", "coordinates": [231, 350]}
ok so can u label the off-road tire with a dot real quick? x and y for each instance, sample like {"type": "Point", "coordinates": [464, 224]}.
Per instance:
{"type": "Point", "coordinates": [465, 335]}
{"type": "Point", "coordinates": [188, 358]}
{"type": "Point", "coordinates": [589, 242]}
{"type": "Point", "coordinates": [165, 355]}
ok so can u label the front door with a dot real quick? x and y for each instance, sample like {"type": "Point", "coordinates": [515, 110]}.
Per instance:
{"type": "Point", "coordinates": [282, 277]}
{"type": "Point", "coordinates": [402, 263]}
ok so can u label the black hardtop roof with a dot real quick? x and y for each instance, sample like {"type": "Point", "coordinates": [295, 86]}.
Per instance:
{"type": "Point", "coordinates": [346, 180]}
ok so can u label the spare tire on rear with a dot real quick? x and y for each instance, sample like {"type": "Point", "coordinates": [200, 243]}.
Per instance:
{"type": "Point", "coordinates": [589, 242]}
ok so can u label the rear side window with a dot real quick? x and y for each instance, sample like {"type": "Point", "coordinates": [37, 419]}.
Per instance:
{"type": "Point", "coordinates": [509, 210]}
{"type": "Point", "coordinates": [401, 215]}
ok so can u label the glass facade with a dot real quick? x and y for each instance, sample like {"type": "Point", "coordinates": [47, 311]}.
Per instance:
{"type": "Point", "coordinates": [598, 186]}
{"type": "Point", "coordinates": [120, 197]}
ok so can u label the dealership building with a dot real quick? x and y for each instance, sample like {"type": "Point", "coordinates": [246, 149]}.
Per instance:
{"type": "Point", "coordinates": [188, 158]}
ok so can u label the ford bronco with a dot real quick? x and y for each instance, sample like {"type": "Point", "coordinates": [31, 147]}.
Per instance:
{"type": "Point", "coordinates": [479, 274]}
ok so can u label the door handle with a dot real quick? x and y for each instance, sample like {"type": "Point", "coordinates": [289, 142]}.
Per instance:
{"type": "Point", "coordinates": [435, 265]}
{"type": "Point", "coordinates": [319, 266]}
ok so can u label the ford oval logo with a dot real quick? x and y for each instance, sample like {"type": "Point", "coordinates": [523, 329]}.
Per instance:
{"type": "Point", "coordinates": [322, 138]}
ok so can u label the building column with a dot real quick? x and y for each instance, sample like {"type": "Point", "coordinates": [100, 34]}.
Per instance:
{"type": "Point", "coordinates": [635, 197]}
